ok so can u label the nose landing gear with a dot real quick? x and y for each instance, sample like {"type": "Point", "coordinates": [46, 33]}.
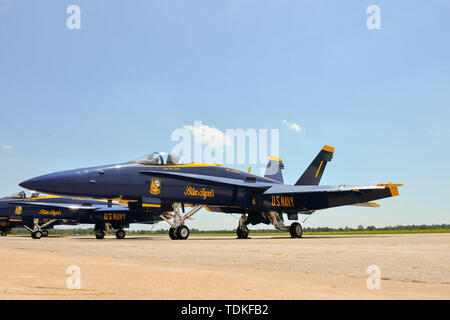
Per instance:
{"type": "Point", "coordinates": [36, 234]}
{"type": "Point", "coordinates": [38, 231]}
{"type": "Point", "coordinates": [179, 231]}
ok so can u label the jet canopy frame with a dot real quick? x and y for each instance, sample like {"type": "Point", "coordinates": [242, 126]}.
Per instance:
{"type": "Point", "coordinates": [160, 158]}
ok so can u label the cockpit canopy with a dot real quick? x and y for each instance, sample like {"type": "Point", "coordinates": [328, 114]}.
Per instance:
{"type": "Point", "coordinates": [23, 195]}
{"type": "Point", "coordinates": [160, 158]}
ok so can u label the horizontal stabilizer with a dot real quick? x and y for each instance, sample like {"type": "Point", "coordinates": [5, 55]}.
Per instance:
{"type": "Point", "coordinates": [367, 204]}
{"type": "Point", "coordinates": [307, 198]}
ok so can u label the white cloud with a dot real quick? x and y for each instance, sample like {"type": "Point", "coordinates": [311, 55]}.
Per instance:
{"type": "Point", "coordinates": [292, 125]}
{"type": "Point", "coordinates": [209, 135]}
{"type": "Point", "coordinates": [7, 147]}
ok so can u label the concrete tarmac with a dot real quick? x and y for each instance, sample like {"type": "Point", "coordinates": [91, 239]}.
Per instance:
{"type": "Point", "coordinates": [411, 266]}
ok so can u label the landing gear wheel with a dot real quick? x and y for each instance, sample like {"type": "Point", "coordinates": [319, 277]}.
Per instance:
{"type": "Point", "coordinates": [182, 232]}
{"type": "Point", "coordinates": [296, 230]}
{"type": "Point", "coordinates": [36, 234]}
{"type": "Point", "coordinates": [4, 233]}
{"type": "Point", "coordinates": [120, 234]}
{"type": "Point", "coordinates": [172, 234]}
{"type": "Point", "coordinates": [242, 233]}
{"type": "Point", "coordinates": [45, 233]}
{"type": "Point", "coordinates": [99, 234]}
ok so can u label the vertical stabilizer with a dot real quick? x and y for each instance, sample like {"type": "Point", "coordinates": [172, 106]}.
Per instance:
{"type": "Point", "coordinates": [273, 170]}
{"type": "Point", "coordinates": [313, 173]}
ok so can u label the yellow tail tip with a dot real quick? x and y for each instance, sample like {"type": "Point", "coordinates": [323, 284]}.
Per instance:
{"type": "Point", "coordinates": [393, 187]}
{"type": "Point", "coordinates": [328, 148]}
{"type": "Point", "coordinates": [275, 158]}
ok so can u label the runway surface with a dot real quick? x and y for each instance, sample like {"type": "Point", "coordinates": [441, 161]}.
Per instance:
{"type": "Point", "coordinates": [412, 266]}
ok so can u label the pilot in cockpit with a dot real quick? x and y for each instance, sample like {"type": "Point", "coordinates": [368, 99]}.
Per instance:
{"type": "Point", "coordinates": [21, 195]}
{"type": "Point", "coordinates": [160, 158]}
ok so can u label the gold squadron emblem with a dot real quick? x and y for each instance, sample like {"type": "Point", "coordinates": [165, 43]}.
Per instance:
{"type": "Point", "coordinates": [18, 211]}
{"type": "Point", "coordinates": [155, 188]}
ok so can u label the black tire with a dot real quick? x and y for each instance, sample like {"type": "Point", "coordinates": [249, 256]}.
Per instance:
{"type": "Point", "coordinates": [45, 233]}
{"type": "Point", "coordinates": [4, 233]}
{"type": "Point", "coordinates": [36, 234]}
{"type": "Point", "coordinates": [99, 234]}
{"type": "Point", "coordinates": [242, 233]}
{"type": "Point", "coordinates": [172, 234]}
{"type": "Point", "coordinates": [120, 234]}
{"type": "Point", "coordinates": [182, 232]}
{"type": "Point", "coordinates": [296, 230]}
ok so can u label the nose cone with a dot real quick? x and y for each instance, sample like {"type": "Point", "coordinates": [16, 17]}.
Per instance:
{"type": "Point", "coordinates": [30, 183]}
{"type": "Point", "coordinates": [45, 183]}
{"type": "Point", "coordinates": [55, 183]}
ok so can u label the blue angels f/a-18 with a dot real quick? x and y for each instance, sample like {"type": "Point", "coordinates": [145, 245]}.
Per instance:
{"type": "Point", "coordinates": [38, 213]}
{"type": "Point", "coordinates": [161, 184]}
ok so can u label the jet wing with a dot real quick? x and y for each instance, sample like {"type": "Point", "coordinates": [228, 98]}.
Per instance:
{"type": "Point", "coordinates": [305, 198]}
{"type": "Point", "coordinates": [203, 179]}
{"type": "Point", "coordinates": [71, 206]}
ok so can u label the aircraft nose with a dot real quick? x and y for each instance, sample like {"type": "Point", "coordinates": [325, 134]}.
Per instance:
{"type": "Point", "coordinates": [41, 183]}
{"type": "Point", "coordinates": [50, 183]}
{"type": "Point", "coordinates": [28, 184]}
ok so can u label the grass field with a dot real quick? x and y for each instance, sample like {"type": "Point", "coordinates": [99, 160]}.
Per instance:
{"type": "Point", "coordinates": [256, 233]}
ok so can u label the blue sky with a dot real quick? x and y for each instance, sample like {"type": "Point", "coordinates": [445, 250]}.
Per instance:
{"type": "Point", "coordinates": [134, 72]}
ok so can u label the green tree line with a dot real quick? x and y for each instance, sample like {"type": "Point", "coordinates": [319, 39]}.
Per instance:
{"type": "Point", "coordinates": [89, 231]}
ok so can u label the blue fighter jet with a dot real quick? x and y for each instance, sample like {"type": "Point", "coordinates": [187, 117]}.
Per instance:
{"type": "Point", "coordinates": [38, 213]}
{"type": "Point", "coordinates": [161, 184]}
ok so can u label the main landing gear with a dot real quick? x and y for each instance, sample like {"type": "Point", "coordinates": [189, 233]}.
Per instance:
{"type": "Point", "coordinates": [4, 233]}
{"type": "Point", "coordinates": [120, 234]}
{"type": "Point", "coordinates": [274, 217]}
{"type": "Point", "coordinates": [178, 231]}
{"type": "Point", "coordinates": [101, 228]}
{"type": "Point", "coordinates": [296, 230]}
{"type": "Point", "coordinates": [39, 231]}
{"type": "Point", "coordinates": [99, 234]}
{"type": "Point", "coordinates": [242, 229]}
